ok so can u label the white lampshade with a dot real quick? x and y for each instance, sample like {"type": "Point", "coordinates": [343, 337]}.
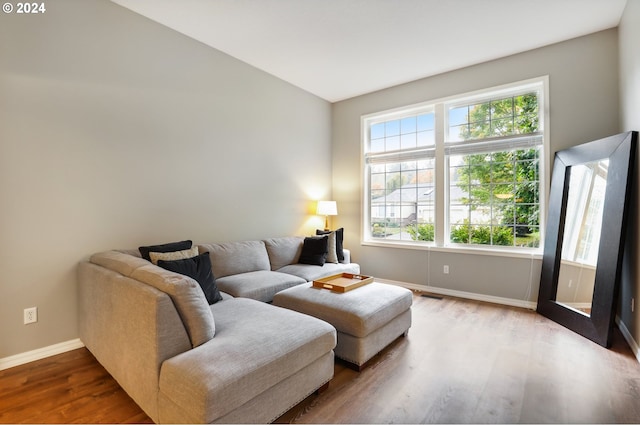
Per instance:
{"type": "Point", "coordinates": [327, 208]}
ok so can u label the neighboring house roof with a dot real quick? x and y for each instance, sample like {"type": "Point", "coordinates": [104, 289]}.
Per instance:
{"type": "Point", "coordinates": [408, 194]}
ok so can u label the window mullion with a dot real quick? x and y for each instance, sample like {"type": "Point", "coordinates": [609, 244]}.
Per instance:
{"type": "Point", "coordinates": [440, 177]}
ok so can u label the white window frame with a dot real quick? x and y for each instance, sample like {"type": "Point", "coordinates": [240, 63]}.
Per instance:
{"type": "Point", "coordinates": [440, 106]}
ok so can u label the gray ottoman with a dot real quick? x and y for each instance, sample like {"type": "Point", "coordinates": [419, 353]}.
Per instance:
{"type": "Point", "coordinates": [367, 318]}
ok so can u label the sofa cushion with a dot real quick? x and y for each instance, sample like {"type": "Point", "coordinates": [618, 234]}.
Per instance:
{"type": "Point", "coordinates": [310, 273]}
{"type": "Point", "coordinates": [188, 298]}
{"type": "Point", "coordinates": [256, 346]}
{"type": "Point", "coordinates": [117, 261]}
{"type": "Point", "coordinates": [167, 247]}
{"type": "Point", "coordinates": [314, 250]}
{"type": "Point", "coordinates": [198, 268]}
{"type": "Point", "coordinates": [237, 257]}
{"type": "Point", "coordinates": [284, 251]}
{"type": "Point", "coordinates": [260, 285]}
{"type": "Point", "coordinates": [358, 312]}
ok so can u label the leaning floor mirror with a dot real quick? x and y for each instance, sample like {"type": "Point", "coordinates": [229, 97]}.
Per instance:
{"type": "Point", "coordinates": [586, 223]}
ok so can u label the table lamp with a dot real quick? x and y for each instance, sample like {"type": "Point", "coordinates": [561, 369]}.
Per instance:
{"type": "Point", "coordinates": [327, 208]}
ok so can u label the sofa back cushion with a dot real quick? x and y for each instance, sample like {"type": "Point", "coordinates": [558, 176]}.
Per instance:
{"type": "Point", "coordinates": [188, 297]}
{"type": "Point", "coordinates": [231, 258]}
{"type": "Point", "coordinates": [186, 293]}
{"type": "Point", "coordinates": [284, 251]}
{"type": "Point", "coordinates": [117, 261]}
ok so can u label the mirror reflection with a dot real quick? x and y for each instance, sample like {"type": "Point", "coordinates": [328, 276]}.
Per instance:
{"type": "Point", "coordinates": [583, 224]}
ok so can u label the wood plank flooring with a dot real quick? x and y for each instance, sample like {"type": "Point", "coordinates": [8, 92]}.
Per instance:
{"type": "Point", "coordinates": [468, 362]}
{"type": "Point", "coordinates": [462, 362]}
{"type": "Point", "coordinates": [68, 388]}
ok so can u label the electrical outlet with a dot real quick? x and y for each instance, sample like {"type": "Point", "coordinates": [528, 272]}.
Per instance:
{"type": "Point", "coordinates": [445, 270]}
{"type": "Point", "coordinates": [30, 315]}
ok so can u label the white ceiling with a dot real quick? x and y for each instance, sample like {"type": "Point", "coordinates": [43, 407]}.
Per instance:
{"type": "Point", "coordinates": [337, 49]}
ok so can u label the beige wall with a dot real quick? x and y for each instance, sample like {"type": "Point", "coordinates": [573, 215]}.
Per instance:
{"type": "Point", "coordinates": [115, 132]}
{"type": "Point", "coordinates": [629, 34]}
{"type": "Point", "coordinates": [583, 86]}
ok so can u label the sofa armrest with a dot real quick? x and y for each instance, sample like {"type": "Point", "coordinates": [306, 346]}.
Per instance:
{"type": "Point", "coordinates": [131, 328]}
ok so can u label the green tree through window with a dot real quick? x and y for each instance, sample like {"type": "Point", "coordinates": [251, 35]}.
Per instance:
{"type": "Point", "coordinates": [504, 182]}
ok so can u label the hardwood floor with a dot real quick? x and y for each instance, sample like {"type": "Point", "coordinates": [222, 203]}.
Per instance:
{"type": "Point", "coordinates": [68, 388]}
{"type": "Point", "coordinates": [462, 362]}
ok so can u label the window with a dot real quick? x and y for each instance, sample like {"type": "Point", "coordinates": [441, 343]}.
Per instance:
{"type": "Point", "coordinates": [460, 171]}
{"type": "Point", "coordinates": [402, 183]}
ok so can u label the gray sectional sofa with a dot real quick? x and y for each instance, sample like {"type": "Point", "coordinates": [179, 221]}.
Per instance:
{"type": "Point", "coordinates": [239, 360]}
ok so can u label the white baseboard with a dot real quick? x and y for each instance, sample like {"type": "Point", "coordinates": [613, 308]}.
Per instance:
{"type": "Point", "coordinates": [462, 294]}
{"type": "Point", "coordinates": [627, 335]}
{"type": "Point", "coordinates": [40, 353]}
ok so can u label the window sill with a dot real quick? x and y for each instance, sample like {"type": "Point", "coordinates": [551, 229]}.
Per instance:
{"type": "Point", "coordinates": [529, 253]}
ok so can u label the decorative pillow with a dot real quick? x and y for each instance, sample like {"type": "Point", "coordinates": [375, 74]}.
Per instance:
{"type": "Point", "coordinates": [314, 250]}
{"type": "Point", "coordinates": [339, 241]}
{"type": "Point", "coordinates": [174, 255]}
{"type": "Point", "coordinates": [167, 247]}
{"type": "Point", "coordinates": [199, 269]}
{"type": "Point", "coordinates": [332, 256]}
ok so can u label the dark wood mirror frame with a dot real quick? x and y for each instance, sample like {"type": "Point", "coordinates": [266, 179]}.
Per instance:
{"type": "Point", "coordinates": [621, 152]}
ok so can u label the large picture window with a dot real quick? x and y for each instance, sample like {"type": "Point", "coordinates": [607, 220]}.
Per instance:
{"type": "Point", "coordinates": [458, 172]}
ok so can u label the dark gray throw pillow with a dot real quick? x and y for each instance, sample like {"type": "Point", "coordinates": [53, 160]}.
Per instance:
{"type": "Point", "coordinates": [339, 240]}
{"type": "Point", "coordinates": [167, 247]}
{"type": "Point", "coordinates": [199, 269]}
{"type": "Point", "coordinates": [314, 250]}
